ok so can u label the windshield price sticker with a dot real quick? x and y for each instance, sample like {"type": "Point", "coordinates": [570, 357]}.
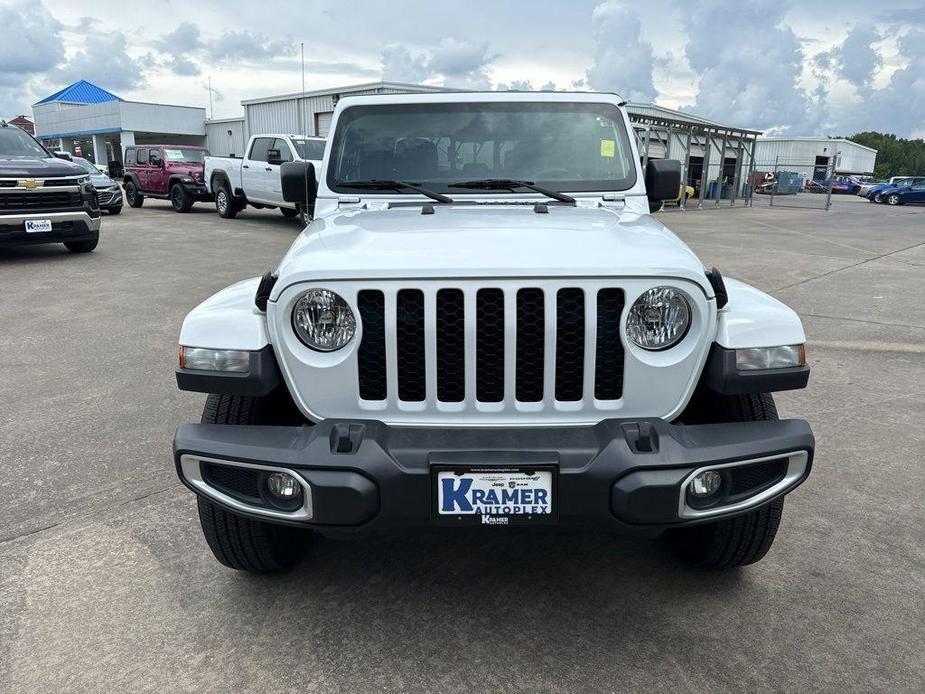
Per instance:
{"type": "Point", "coordinates": [174, 154]}
{"type": "Point", "coordinates": [608, 148]}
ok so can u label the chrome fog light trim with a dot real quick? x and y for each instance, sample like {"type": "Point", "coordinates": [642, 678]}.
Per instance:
{"type": "Point", "coordinates": [781, 357]}
{"type": "Point", "coordinates": [797, 461]}
{"type": "Point", "coordinates": [191, 469]}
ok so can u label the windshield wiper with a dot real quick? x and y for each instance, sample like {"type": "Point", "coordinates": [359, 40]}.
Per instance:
{"type": "Point", "coordinates": [511, 184]}
{"type": "Point", "coordinates": [387, 184]}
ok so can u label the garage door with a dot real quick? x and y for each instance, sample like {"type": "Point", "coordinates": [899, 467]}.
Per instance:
{"type": "Point", "coordinates": [323, 123]}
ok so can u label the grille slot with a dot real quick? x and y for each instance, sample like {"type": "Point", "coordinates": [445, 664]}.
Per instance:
{"type": "Point", "coordinates": [608, 370]}
{"type": "Point", "coordinates": [531, 344]}
{"type": "Point", "coordinates": [489, 345]}
{"type": "Point", "coordinates": [409, 335]}
{"type": "Point", "coordinates": [570, 344]}
{"type": "Point", "coordinates": [451, 348]}
{"type": "Point", "coordinates": [371, 354]}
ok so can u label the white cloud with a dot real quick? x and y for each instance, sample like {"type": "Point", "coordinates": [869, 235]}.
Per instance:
{"type": "Point", "coordinates": [622, 59]}
{"type": "Point", "coordinates": [748, 63]}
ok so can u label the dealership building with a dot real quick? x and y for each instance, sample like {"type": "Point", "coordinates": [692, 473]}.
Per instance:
{"type": "Point", "coordinates": [88, 120]}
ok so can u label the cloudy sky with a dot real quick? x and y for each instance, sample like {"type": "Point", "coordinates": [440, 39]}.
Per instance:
{"type": "Point", "coordinates": [788, 67]}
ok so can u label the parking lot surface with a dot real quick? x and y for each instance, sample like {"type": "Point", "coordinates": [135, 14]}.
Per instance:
{"type": "Point", "coordinates": [107, 585]}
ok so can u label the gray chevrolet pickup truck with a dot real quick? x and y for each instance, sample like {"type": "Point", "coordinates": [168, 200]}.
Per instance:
{"type": "Point", "coordinates": [44, 199]}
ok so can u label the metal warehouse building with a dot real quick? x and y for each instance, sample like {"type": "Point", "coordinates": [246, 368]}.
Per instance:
{"type": "Point", "coordinates": [815, 157]}
{"type": "Point", "coordinates": [660, 133]}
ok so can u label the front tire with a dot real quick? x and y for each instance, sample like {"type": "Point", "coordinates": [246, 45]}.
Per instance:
{"type": "Point", "coordinates": [132, 196]}
{"type": "Point", "coordinates": [180, 199]}
{"type": "Point", "coordinates": [225, 203]}
{"type": "Point", "coordinates": [115, 210]}
{"type": "Point", "coordinates": [82, 246]}
{"type": "Point", "coordinates": [893, 199]}
{"type": "Point", "coordinates": [288, 212]}
{"type": "Point", "coordinates": [744, 539]}
{"type": "Point", "coordinates": [238, 542]}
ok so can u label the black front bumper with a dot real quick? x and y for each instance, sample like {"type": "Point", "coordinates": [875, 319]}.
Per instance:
{"type": "Point", "coordinates": [618, 473]}
{"type": "Point", "coordinates": [69, 225]}
{"type": "Point", "coordinates": [197, 191]}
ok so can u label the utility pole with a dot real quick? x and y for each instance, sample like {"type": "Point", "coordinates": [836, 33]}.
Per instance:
{"type": "Point", "coordinates": [302, 100]}
{"type": "Point", "coordinates": [211, 112]}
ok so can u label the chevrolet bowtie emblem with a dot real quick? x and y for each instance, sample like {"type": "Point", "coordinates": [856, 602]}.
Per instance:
{"type": "Point", "coordinates": [29, 183]}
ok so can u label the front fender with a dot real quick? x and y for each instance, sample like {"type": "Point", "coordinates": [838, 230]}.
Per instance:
{"type": "Point", "coordinates": [227, 320]}
{"type": "Point", "coordinates": [755, 319]}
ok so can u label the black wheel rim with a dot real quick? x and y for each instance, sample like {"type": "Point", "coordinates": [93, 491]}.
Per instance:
{"type": "Point", "coordinates": [177, 198]}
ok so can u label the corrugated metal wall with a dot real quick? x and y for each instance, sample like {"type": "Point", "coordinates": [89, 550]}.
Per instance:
{"type": "Point", "coordinates": [282, 116]}
{"type": "Point", "coordinates": [225, 137]}
{"type": "Point", "coordinates": [800, 155]}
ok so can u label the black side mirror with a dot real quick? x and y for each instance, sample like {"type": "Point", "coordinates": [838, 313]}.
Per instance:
{"type": "Point", "coordinates": [663, 179]}
{"type": "Point", "coordinates": [297, 179]}
{"type": "Point", "coordinates": [274, 157]}
{"type": "Point", "coordinates": [64, 155]}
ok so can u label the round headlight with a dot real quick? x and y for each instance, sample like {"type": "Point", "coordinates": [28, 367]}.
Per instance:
{"type": "Point", "coordinates": [323, 320]}
{"type": "Point", "coordinates": [659, 318]}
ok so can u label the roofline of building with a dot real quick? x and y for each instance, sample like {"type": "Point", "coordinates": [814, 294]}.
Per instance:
{"type": "Point", "coordinates": [123, 101]}
{"type": "Point", "coordinates": [225, 120]}
{"type": "Point", "coordinates": [349, 89]}
{"type": "Point", "coordinates": [77, 133]}
{"type": "Point", "coordinates": [817, 139]}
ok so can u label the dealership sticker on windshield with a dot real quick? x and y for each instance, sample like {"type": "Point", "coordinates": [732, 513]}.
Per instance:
{"type": "Point", "coordinates": [496, 496]}
{"type": "Point", "coordinates": [608, 148]}
{"type": "Point", "coordinates": [174, 154]}
{"type": "Point", "coordinates": [34, 225]}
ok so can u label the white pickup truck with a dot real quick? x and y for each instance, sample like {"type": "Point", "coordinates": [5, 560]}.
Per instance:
{"type": "Point", "coordinates": [254, 180]}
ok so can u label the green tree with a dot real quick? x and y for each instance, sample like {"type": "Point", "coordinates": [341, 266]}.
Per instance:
{"type": "Point", "coordinates": [896, 156]}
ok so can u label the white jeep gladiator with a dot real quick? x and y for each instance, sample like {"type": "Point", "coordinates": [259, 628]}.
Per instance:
{"type": "Point", "coordinates": [255, 180]}
{"type": "Point", "coordinates": [484, 325]}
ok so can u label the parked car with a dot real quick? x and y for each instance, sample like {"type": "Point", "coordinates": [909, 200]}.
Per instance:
{"type": "Point", "coordinates": [483, 325]}
{"type": "Point", "coordinates": [168, 172]}
{"type": "Point", "coordinates": [877, 193]}
{"type": "Point", "coordinates": [44, 198]}
{"type": "Point", "coordinates": [108, 191]}
{"type": "Point", "coordinates": [900, 195]}
{"type": "Point", "coordinates": [254, 180]}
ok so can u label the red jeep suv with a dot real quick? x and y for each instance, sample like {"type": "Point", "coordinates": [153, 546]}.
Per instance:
{"type": "Point", "coordinates": [169, 172]}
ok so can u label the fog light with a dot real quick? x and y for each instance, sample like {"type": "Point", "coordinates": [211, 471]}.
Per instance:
{"type": "Point", "coordinates": [283, 486]}
{"type": "Point", "coordinates": [706, 483]}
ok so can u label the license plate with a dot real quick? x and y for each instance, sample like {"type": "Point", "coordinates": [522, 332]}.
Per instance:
{"type": "Point", "coordinates": [33, 225]}
{"type": "Point", "coordinates": [495, 495]}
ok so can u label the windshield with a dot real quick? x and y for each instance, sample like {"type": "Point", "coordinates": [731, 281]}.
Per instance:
{"type": "Point", "coordinates": [563, 146]}
{"type": "Point", "coordinates": [86, 165]}
{"type": "Point", "coordinates": [195, 156]}
{"type": "Point", "coordinates": [15, 144]}
{"type": "Point", "coordinates": [311, 150]}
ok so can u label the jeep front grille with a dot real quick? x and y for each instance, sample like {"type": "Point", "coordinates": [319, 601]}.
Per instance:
{"type": "Point", "coordinates": [546, 354]}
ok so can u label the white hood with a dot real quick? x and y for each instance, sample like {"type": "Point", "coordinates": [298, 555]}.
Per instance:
{"type": "Point", "coordinates": [487, 241]}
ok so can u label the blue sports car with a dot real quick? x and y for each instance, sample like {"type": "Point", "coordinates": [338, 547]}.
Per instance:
{"type": "Point", "coordinates": [914, 191]}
